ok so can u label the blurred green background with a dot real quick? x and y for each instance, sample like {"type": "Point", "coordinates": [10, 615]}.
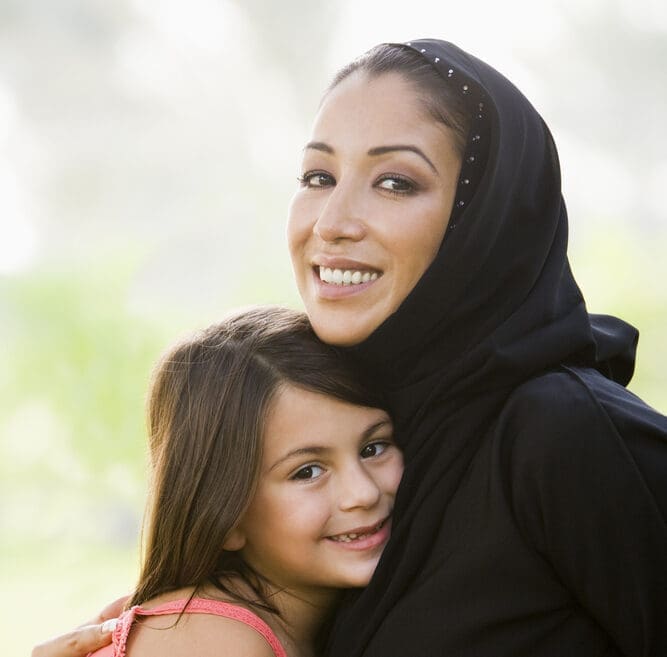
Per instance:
{"type": "Point", "coordinates": [148, 151]}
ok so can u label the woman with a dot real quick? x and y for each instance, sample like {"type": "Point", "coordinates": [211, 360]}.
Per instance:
{"type": "Point", "coordinates": [428, 238]}
{"type": "Point", "coordinates": [531, 516]}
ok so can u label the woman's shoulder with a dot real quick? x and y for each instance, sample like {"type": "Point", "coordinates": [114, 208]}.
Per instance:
{"type": "Point", "coordinates": [575, 409]}
{"type": "Point", "coordinates": [555, 410]}
{"type": "Point", "coordinates": [572, 422]}
{"type": "Point", "coordinates": [551, 392]}
{"type": "Point", "coordinates": [573, 428]}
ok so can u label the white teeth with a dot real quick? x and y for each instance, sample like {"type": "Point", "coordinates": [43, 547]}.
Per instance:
{"type": "Point", "coordinates": [346, 276]}
{"type": "Point", "coordinates": [347, 538]}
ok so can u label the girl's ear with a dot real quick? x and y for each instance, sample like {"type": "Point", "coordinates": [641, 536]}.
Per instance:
{"type": "Point", "coordinates": [235, 540]}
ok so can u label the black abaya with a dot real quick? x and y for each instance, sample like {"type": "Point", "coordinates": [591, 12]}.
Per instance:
{"type": "Point", "coordinates": [532, 516]}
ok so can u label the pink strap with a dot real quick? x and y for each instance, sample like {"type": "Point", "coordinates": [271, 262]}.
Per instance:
{"type": "Point", "coordinates": [195, 606]}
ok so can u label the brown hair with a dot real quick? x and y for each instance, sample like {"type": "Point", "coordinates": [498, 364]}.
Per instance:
{"type": "Point", "coordinates": [207, 408]}
{"type": "Point", "coordinates": [441, 100]}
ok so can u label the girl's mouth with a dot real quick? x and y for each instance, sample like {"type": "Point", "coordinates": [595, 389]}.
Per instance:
{"type": "Point", "coordinates": [364, 538]}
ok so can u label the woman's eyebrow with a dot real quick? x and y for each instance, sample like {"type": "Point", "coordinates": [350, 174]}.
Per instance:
{"type": "Point", "coordinates": [319, 146]}
{"type": "Point", "coordinates": [381, 150]}
{"type": "Point", "coordinates": [378, 150]}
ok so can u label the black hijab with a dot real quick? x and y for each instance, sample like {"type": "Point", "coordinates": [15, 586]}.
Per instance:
{"type": "Point", "coordinates": [497, 306]}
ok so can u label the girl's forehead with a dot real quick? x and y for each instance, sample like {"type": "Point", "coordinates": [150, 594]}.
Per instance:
{"type": "Point", "coordinates": [303, 419]}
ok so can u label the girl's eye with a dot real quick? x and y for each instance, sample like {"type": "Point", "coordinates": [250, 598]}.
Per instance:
{"type": "Point", "coordinates": [397, 184]}
{"type": "Point", "coordinates": [316, 179]}
{"type": "Point", "coordinates": [308, 472]}
{"type": "Point", "coordinates": [374, 449]}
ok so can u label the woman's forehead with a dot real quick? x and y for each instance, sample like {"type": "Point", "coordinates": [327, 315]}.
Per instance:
{"type": "Point", "coordinates": [365, 112]}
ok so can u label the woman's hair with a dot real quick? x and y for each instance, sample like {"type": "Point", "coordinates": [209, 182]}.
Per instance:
{"type": "Point", "coordinates": [207, 409]}
{"type": "Point", "coordinates": [440, 99]}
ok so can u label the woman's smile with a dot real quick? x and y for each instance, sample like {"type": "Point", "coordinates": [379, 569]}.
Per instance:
{"type": "Point", "coordinates": [345, 277]}
{"type": "Point", "coordinates": [372, 207]}
{"type": "Point", "coordinates": [337, 278]}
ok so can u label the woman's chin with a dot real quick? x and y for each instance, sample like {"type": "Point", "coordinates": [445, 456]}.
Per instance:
{"type": "Point", "coordinates": [342, 329]}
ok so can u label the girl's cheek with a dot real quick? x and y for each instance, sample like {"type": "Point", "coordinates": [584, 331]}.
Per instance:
{"type": "Point", "coordinates": [299, 503]}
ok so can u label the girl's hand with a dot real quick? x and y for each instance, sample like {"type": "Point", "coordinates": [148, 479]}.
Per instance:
{"type": "Point", "coordinates": [88, 637]}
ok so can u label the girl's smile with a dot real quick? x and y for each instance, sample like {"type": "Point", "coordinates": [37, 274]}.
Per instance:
{"type": "Point", "coordinates": [364, 538]}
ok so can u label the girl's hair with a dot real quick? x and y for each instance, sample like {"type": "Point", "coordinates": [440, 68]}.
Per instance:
{"type": "Point", "coordinates": [440, 99]}
{"type": "Point", "coordinates": [207, 408]}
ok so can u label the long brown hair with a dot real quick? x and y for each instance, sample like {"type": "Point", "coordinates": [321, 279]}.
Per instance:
{"type": "Point", "coordinates": [207, 408]}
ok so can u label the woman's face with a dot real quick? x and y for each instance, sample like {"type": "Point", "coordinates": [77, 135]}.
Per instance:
{"type": "Point", "coordinates": [378, 181]}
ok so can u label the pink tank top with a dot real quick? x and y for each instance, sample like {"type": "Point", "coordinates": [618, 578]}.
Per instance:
{"type": "Point", "coordinates": [195, 606]}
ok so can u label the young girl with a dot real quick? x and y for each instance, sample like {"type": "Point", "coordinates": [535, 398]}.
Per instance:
{"type": "Point", "coordinates": [274, 474]}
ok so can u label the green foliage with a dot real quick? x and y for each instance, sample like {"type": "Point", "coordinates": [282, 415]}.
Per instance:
{"type": "Point", "coordinates": [74, 350]}
{"type": "Point", "coordinates": [622, 271]}
{"type": "Point", "coordinates": [75, 363]}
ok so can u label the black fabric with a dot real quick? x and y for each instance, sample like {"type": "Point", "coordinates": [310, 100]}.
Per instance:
{"type": "Point", "coordinates": [531, 516]}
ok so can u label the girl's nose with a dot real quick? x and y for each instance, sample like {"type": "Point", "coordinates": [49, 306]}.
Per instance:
{"type": "Point", "coordinates": [358, 489]}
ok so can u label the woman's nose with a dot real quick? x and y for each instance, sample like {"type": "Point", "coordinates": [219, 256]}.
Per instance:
{"type": "Point", "coordinates": [340, 216]}
{"type": "Point", "coordinates": [358, 489]}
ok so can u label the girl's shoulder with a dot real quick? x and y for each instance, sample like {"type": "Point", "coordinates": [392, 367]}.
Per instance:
{"type": "Point", "coordinates": [177, 627]}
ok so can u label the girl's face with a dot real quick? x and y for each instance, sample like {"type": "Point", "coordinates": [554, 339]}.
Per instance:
{"type": "Point", "coordinates": [378, 181]}
{"type": "Point", "coordinates": [321, 514]}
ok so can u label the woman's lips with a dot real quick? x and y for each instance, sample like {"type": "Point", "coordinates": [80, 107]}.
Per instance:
{"type": "Point", "coordinates": [336, 282]}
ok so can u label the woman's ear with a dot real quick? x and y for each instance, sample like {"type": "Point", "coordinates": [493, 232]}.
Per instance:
{"type": "Point", "coordinates": [235, 540]}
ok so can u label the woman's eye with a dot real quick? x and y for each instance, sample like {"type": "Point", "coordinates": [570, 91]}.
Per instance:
{"type": "Point", "coordinates": [374, 449]}
{"type": "Point", "coordinates": [397, 185]}
{"type": "Point", "coordinates": [316, 179]}
{"type": "Point", "coordinates": [308, 472]}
